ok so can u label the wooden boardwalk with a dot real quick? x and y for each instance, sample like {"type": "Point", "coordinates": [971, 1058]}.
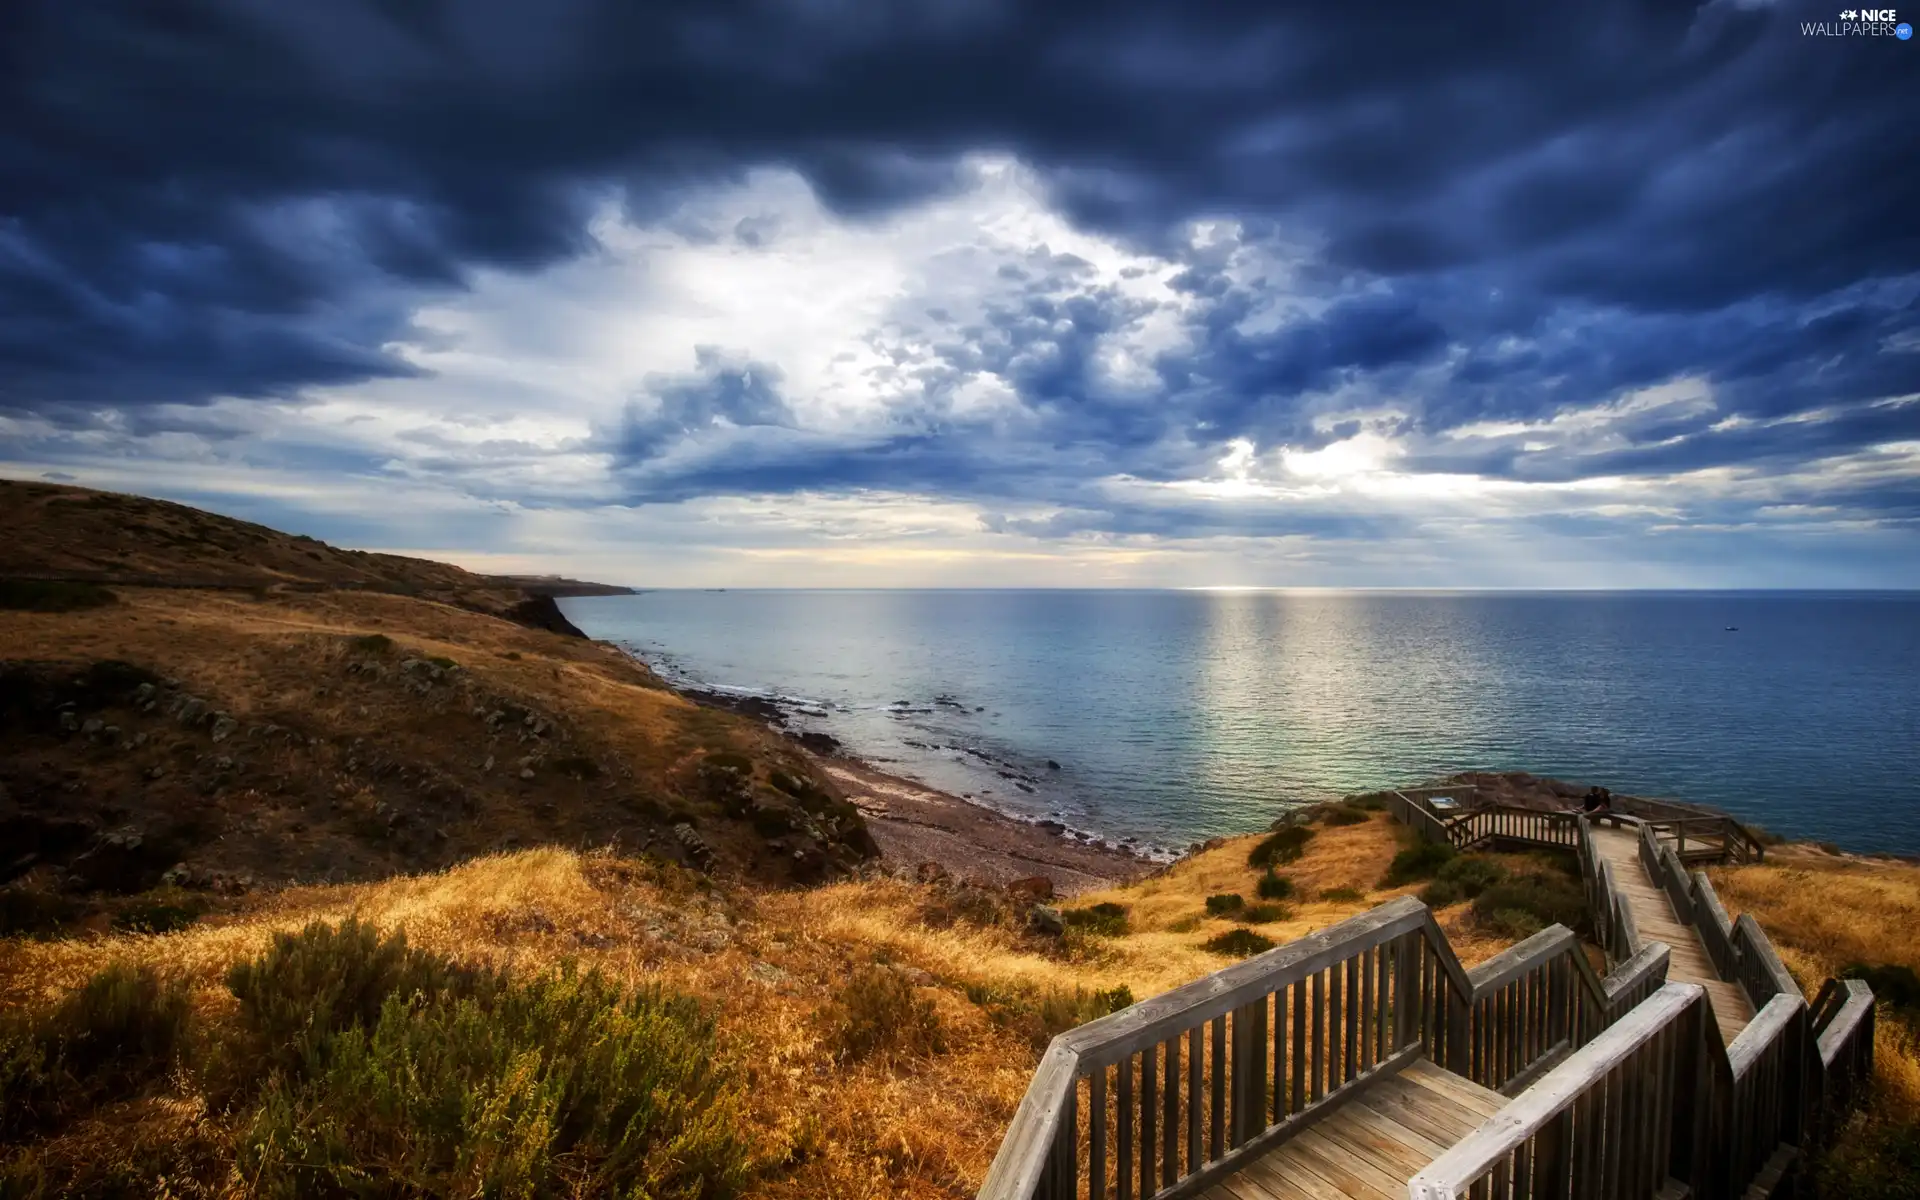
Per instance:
{"type": "Point", "coordinates": [1654, 915]}
{"type": "Point", "coordinates": [1364, 1060]}
{"type": "Point", "coordinates": [1371, 1145]}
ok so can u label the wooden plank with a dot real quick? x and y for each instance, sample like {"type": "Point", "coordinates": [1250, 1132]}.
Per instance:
{"type": "Point", "coordinates": [1452, 1089]}
{"type": "Point", "coordinates": [1345, 1169]}
{"type": "Point", "coordinates": [1378, 1118]}
{"type": "Point", "coordinates": [1281, 1175]}
{"type": "Point", "coordinates": [1373, 1146]}
{"type": "Point", "coordinates": [1411, 1107]}
{"type": "Point", "coordinates": [1282, 1133]}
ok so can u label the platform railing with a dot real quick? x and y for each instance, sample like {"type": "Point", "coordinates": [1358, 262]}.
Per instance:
{"type": "Point", "coordinates": [1177, 1091]}
{"type": "Point", "coordinates": [1612, 1120]}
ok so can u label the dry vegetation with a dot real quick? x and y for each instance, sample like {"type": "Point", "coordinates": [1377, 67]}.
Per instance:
{"type": "Point", "coordinates": [1829, 913]}
{"type": "Point", "coordinates": [963, 1005]}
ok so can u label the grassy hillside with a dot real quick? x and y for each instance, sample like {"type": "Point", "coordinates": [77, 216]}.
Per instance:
{"type": "Point", "coordinates": [57, 531]}
{"type": "Point", "coordinates": [1833, 914]}
{"type": "Point", "coordinates": [874, 1035]}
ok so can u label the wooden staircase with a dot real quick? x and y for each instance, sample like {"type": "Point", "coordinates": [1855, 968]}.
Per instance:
{"type": "Point", "coordinates": [1364, 1061]}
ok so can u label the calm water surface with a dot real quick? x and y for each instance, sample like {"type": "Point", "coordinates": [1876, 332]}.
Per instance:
{"type": "Point", "coordinates": [1178, 715]}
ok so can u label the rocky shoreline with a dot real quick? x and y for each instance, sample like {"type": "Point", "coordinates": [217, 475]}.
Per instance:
{"type": "Point", "coordinates": [914, 823]}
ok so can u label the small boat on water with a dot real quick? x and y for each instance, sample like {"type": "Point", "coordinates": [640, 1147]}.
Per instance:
{"type": "Point", "coordinates": [1733, 629]}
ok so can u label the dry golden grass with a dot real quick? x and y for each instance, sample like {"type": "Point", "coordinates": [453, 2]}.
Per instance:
{"type": "Point", "coordinates": [1826, 912]}
{"type": "Point", "coordinates": [768, 963]}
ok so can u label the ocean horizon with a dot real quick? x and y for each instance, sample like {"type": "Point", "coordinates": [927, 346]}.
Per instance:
{"type": "Point", "coordinates": [1160, 717]}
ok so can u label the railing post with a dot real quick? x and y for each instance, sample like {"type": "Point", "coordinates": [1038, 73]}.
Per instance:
{"type": "Point", "coordinates": [1406, 990]}
{"type": "Point", "coordinates": [1459, 1026]}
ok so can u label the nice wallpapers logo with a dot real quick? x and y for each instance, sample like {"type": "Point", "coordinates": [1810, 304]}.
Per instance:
{"type": "Point", "coordinates": [1860, 22]}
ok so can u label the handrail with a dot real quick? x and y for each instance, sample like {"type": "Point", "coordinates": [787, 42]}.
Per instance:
{"type": "Point", "coordinates": [1533, 1142]}
{"type": "Point", "coordinates": [1759, 969]}
{"type": "Point", "coordinates": [1323, 1014]}
{"type": "Point", "coordinates": [1363, 974]}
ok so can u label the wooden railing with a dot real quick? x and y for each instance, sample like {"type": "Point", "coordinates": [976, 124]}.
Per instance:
{"type": "Point", "coordinates": [1740, 950]}
{"type": "Point", "coordinates": [1841, 1021]}
{"type": "Point", "coordinates": [1614, 926]}
{"type": "Point", "coordinates": [1732, 841]}
{"type": "Point", "coordinates": [1177, 1091]}
{"type": "Point", "coordinates": [1174, 1089]}
{"type": "Point", "coordinates": [1606, 1122]}
{"type": "Point", "coordinates": [1498, 824]}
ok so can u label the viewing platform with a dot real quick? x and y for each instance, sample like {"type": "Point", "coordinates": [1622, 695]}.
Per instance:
{"type": "Point", "coordinates": [1365, 1061]}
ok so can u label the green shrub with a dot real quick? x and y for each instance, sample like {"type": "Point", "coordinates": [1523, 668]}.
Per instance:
{"type": "Point", "coordinates": [559, 1086]}
{"type": "Point", "coordinates": [1876, 1158]}
{"type": "Point", "coordinates": [52, 596]}
{"type": "Point", "coordinates": [1225, 904]}
{"type": "Point", "coordinates": [308, 987]}
{"type": "Point", "coordinates": [156, 916]}
{"type": "Point", "coordinates": [1894, 984]}
{"type": "Point", "coordinates": [1462, 878]}
{"type": "Point", "coordinates": [1263, 914]}
{"type": "Point", "coordinates": [1281, 846]}
{"type": "Point", "coordinates": [445, 664]}
{"type": "Point", "coordinates": [1371, 802]}
{"type": "Point", "coordinates": [1522, 905]}
{"type": "Point", "coordinates": [1044, 1015]}
{"type": "Point", "coordinates": [111, 1036]}
{"type": "Point", "coordinates": [1344, 814]}
{"type": "Point", "coordinates": [1105, 918]}
{"type": "Point", "coordinates": [1238, 943]}
{"type": "Point", "coordinates": [372, 643]}
{"type": "Point", "coordinates": [1418, 861]}
{"type": "Point", "coordinates": [1343, 895]}
{"type": "Point", "coordinates": [878, 1011]}
{"type": "Point", "coordinates": [1274, 887]}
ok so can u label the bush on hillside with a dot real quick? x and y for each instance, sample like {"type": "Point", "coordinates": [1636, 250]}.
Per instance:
{"type": "Point", "coordinates": [1343, 895]}
{"type": "Point", "coordinates": [1462, 878]}
{"type": "Point", "coordinates": [108, 1039]}
{"type": "Point", "coordinates": [1274, 887]}
{"type": "Point", "coordinates": [1420, 860]}
{"type": "Point", "coordinates": [1238, 943]}
{"type": "Point", "coordinates": [1345, 814]}
{"type": "Point", "coordinates": [1522, 905]}
{"type": "Point", "coordinates": [1225, 904]}
{"type": "Point", "coordinates": [37, 914]}
{"type": "Point", "coordinates": [1893, 984]}
{"type": "Point", "coordinates": [1263, 914]}
{"type": "Point", "coordinates": [1042, 1015]}
{"type": "Point", "coordinates": [308, 987]}
{"type": "Point", "coordinates": [1105, 918]}
{"type": "Point", "coordinates": [372, 643]}
{"type": "Point", "coordinates": [1876, 1158]}
{"type": "Point", "coordinates": [558, 1086]}
{"type": "Point", "coordinates": [1281, 846]}
{"type": "Point", "coordinates": [877, 1011]}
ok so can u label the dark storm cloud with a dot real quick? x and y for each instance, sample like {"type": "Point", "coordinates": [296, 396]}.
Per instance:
{"type": "Point", "coordinates": [1521, 209]}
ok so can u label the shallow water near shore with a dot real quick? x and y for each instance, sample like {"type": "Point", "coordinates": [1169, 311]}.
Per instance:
{"type": "Point", "coordinates": [1178, 715]}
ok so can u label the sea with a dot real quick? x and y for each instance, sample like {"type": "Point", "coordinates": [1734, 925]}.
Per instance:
{"type": "Point", "coordinates": [1161, 718]}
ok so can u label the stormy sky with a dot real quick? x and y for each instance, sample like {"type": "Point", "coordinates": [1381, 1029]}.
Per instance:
{"type": "Point", "coordinates": [976, 292]}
